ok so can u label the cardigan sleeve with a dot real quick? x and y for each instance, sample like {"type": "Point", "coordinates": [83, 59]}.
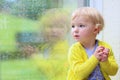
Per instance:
{"type": "Point", "coordinates": [80, 66]}
{"type": "Point", "coordinates": [110, 66]}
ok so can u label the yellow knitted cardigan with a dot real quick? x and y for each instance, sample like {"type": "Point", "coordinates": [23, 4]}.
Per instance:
{"type": "Point", "coordinates": [81, 67]}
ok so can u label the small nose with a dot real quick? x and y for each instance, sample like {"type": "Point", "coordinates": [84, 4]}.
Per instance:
{"type": "Point", "coordinates": [76, 29]}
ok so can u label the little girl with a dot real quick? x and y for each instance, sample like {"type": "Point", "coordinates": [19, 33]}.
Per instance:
{"type": "Point", "coordinates": [89, 58]}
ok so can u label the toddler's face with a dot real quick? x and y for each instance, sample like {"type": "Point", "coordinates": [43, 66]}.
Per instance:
{"type": "Point", "coordinates": [82, 29]}
{"type": "Point", "coordinates": [54, 33]}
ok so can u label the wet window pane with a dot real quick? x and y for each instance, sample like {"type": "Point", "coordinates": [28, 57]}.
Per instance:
{"type": "Point", "coordinates": [34, 38]}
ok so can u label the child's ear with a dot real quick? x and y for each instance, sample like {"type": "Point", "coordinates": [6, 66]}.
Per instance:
{"type": "Point", "coordinates": [97, 29]}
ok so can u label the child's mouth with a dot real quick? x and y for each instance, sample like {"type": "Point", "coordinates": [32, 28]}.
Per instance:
{"type": "Point", "coordinates": [76, 35]}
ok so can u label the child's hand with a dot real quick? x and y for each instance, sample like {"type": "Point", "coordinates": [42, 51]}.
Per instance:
{"type": "Point", "coordinates": [105, 55]}
{"type": "Point", "coordinates": [99, 52]}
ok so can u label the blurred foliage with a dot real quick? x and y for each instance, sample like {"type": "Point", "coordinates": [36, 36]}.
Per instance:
{"type": "Point", "coordinates": [36, 68]}
{"type": "Point", "coordinates": [27, 8]}
{"type": "Point", "coordinates": [2, 4]}
{"type": "Point", "coordinates": [9, 27]}
{"type": "Point", "coordinates": [20, 70]}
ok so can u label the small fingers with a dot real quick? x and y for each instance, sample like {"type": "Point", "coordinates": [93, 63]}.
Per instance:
{"type": "Point", "coordinates": [106, 50]}
{"type": "Point", "coordinates": [99, 49]}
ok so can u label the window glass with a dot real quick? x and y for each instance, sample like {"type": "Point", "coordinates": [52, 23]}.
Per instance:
{"type": "Point", "coordinates": [34, 38]}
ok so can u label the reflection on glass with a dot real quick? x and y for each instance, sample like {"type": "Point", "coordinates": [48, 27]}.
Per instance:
{"type": "Point", "coordinates": [34, 39]}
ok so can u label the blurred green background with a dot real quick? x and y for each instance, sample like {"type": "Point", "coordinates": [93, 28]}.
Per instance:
{"type": "Point", "coordinates": [34, 38]}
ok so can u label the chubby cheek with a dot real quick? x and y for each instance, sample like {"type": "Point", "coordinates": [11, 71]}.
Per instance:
{"type": "Point", "coordinates": [84, 33]}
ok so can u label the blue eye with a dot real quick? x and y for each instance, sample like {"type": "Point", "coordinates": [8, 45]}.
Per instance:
{"type": "Point", "coordinates": [82, 26]}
